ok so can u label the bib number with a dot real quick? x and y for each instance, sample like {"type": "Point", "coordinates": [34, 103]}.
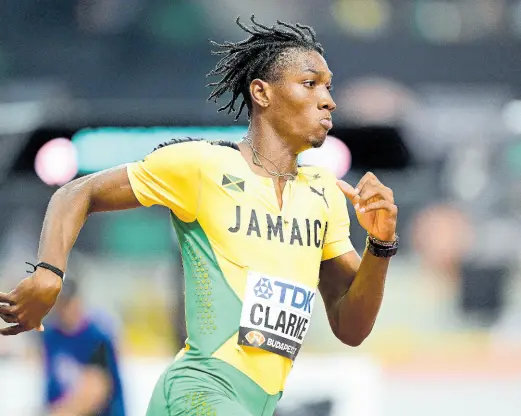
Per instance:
{"type": "Point", "coordinates": [276, 314]}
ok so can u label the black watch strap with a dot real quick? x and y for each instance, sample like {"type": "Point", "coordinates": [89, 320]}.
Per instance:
{"type": "Point", "coordinates": [382, 248]}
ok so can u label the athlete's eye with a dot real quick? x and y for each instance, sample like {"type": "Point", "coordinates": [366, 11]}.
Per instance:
{"type": "Point", "coordinates": [329, 87]}
{"type": "Point", "coordinates": [310, 84]}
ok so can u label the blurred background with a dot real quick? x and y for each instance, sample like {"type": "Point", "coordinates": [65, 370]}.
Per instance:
{"type": "Point", "coordinates": [429, 98]}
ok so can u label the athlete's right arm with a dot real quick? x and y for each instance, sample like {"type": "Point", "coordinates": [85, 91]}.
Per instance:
{"type": "Point", "coordinates": [66, 214]}
{"type": "Point", "coordinates": [70, 206]}
{"type": "Point", "coordinates": [169, 176]}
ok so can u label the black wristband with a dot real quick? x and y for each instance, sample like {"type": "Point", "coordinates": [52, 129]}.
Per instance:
{"type": "Point", "coordinates": [47, 266]}
{"type": "Point", "coordinates": [382, 248]}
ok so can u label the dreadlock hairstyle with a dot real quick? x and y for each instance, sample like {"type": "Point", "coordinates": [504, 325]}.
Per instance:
{"type": "Point", "coordinates": [178, 140]}
{"type": "Point", "coordinates": [256, 57]}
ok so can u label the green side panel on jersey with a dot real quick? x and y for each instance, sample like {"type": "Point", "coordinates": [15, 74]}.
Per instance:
{"type": "Point", "coordinates": [213, 310]}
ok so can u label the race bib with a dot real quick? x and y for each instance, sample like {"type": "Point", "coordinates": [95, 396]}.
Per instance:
{"type": "Point", "coordinates": [276, 314]}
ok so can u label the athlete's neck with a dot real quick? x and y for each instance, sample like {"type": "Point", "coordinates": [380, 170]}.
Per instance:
{"type": "Point", "coordinates": [277, 154]}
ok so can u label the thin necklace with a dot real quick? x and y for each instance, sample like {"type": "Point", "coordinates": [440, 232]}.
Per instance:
{"type": "Point", "coordinates": [257, 161]}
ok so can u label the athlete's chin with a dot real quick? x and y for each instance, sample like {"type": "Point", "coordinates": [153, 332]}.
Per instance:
{"type": "Point", "coordinates": [317, 141]}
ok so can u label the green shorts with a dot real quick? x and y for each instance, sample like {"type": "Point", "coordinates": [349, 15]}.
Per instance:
{"type": "Point", "coordinates": [209, 388]}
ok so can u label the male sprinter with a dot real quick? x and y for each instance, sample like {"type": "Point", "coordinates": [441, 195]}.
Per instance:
{"type": "Point", "coordinates": [258, 233]}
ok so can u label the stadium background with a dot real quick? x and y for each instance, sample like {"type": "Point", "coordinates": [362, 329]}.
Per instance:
{"type": "Point", "coordinates": [428, 95]}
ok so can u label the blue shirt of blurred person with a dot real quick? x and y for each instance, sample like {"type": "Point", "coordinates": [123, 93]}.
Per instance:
{"type": "Point", "coordinates": [73, 343]}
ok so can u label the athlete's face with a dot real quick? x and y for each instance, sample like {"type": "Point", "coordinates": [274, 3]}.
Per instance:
{"type": "Point", "coordinates": [300, 102]}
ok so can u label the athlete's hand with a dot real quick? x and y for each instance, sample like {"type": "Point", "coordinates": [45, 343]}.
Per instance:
{"type": "Point", "coordinates": [374, 206]}
{"type": "Point", "coordinates": [29, 302]}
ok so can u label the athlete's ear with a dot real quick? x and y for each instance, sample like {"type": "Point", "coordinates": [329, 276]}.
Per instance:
{"type": "Point", "coordinates": [259, 92]}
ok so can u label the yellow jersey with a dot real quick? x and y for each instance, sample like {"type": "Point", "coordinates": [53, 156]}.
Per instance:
{"type": "Point", "coordinates": [251, 267]}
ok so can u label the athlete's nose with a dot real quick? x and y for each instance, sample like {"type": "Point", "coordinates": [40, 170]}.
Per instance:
{"type": "Point", "coordinates": [327, 103]}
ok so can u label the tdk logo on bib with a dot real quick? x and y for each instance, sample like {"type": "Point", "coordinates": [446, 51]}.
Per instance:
{"type": "Point", "coordinates": [263, 288]}
{"type": "Point", "coordinates": [287, 294]}
{"type": "Point", "coordinates": [276, 310]}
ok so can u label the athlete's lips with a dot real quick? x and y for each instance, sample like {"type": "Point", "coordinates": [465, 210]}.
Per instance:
{"type": "Point", "coordinates": [326, 123]}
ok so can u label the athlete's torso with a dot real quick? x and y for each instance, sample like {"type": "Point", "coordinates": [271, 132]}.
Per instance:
{"type": "Point", "coordinates": [252, 267]}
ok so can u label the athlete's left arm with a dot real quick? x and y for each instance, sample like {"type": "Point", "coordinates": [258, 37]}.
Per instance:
{"type": "Point", "coordinates": [352, 287]}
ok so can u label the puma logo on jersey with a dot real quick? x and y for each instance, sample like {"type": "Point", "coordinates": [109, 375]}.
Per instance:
{"type": "Point", "coordinates": [315, 191]}
{"type": "Point", "coordinates": [255, 338]}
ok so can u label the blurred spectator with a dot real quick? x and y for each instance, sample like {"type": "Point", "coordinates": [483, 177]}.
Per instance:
{"type": "Point", "coordinates": [81, 366]}
{"type": "Point", "coordinates": [423, 288]}
{"type": "Point", "coordinates": [442, 236]}
{"type": "Point", "coordinates": [376, 101]}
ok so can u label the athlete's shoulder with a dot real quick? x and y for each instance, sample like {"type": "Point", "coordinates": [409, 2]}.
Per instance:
{"type": "Point", "coordinates": [182, 144]}
{"type": "Point", "coordinates": [223, 150]}
{"type": "Point", "coordinates": [195, 146]}
{"type": "Point", "coordinates": [224, 144]}
{"type": "Point", "coordinates": [222, 154]}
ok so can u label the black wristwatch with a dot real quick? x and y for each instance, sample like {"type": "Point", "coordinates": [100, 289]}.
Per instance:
{"type": "Point", "coordinates": [380, 248]}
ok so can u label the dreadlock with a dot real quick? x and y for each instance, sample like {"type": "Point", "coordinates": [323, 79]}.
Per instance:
{"type": "Point", "coordinates": [256, 57]}
{"type": "Point", "coordinates": [178, 140]}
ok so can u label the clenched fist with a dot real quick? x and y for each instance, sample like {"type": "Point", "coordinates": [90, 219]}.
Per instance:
{"type": "Point", "coordinates": [374, 206]}
{"type": "Point", "coordinates": [29, 302]}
